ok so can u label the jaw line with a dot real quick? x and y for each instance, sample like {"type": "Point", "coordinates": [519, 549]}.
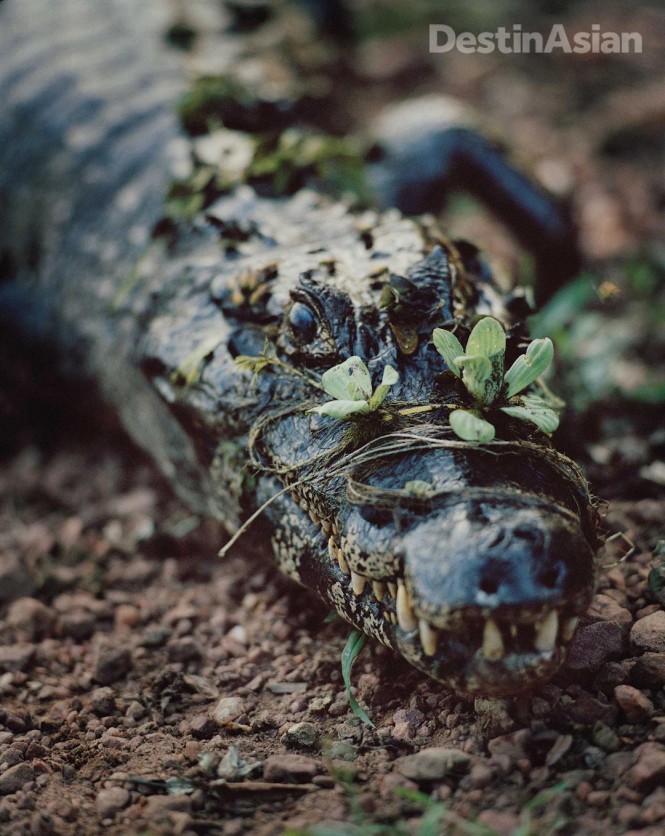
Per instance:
{"type": "Point", "coordinates": [468, 671]}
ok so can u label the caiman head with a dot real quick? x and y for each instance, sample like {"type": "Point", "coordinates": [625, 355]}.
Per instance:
{"type": "Point", "coordinates": [474, 561]}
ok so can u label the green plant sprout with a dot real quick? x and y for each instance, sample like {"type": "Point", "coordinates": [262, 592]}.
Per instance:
{"type": "Point", "coordinates": [350, 384]}
{"type": "Point", "coordinates": [481, 369]}
{"type": "Point", "coordinates": [352, 650]}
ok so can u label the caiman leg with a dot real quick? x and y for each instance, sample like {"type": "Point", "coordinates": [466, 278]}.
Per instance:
{"type": "Point", "coordinates": [421, 166]}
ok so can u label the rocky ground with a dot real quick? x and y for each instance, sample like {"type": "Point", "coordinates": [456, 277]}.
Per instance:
{"type": "Point", "coordinates": [148, 687]}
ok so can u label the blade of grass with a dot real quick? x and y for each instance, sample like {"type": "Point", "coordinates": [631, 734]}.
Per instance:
{"type": "Point", "coordinates": [352, 650]}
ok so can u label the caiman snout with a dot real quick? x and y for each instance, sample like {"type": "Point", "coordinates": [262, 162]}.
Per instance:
{"type": "Point", "coordinates": [483, 588]}
{"type": "Point", "coordinates": [479, 556]}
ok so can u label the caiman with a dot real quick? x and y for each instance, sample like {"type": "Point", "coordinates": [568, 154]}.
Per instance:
{"type": "Point", "coordinates": [472, 560]}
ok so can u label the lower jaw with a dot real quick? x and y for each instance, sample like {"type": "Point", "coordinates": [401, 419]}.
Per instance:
{"type": "Point", "coordinates": [453, 658]}
{"type": "Point", "coordinates": [470, 673]}
{"type": "Point", "coordinates": [456, 663]}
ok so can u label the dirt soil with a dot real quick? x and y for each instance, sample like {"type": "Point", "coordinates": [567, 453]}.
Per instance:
{"type": "Point", "coordinates": [148, 687]}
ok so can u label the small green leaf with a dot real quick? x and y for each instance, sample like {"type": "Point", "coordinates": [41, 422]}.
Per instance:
{"type": "Point", "coordinates": [476, 374]}
{"type": "Point", "coordinates": [341, 409]}
{"type": "Point", "coordinates": [352, 649]}
{"type": "Point", "coordinates": [543, 417]}
{"type": "Point", "coordinates": [487, 338]}
{"type": "Point", "coordinates": [418, 487]}
{"type": "Point", "coordinates": [348, 381]}
{"type": "Point", "coordinates": [390, 377]}
{"type": "Point", "coordinates": [529, 366]}
{"type": "Point", "coordinates": [471, 427]}
{"type": "Point", "coordinates": [449, 347]}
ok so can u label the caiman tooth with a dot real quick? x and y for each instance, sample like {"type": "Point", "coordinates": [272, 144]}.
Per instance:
{"type": "Point", "coordinates": [332, 549]}
{"type": "Point", "coordinates": [546, 632]}
{"type": "Point", "coordinates": [393, 617]}
{"type": "Point", "coordinates": [392, 588]}
{"type": "Point", "coordinates": [358, 583]}
{"type": "Point", "coordinates": [379, 589]}
{"type": "Point", "coordinates": [429, 637]}
{"type": "Point", "coordinates": [343, 565]}
{"type": "Point", "coordinates": [314, 518]}
{"type": "Point", "coordinates": [568, 628]}
{"type": "Point", "coordinates": [405, 614]}
{"type": "Point", "coordinates": [493, 647]}
{"type": "Point", "coordinates": [326, 525]}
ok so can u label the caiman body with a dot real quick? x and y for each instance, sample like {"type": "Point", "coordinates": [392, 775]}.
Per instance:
{"type": "Point", "coordinates": [477, 578]}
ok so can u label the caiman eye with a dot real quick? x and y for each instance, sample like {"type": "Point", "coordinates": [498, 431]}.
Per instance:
{"type": "Point", "coordinates": [303, 322]}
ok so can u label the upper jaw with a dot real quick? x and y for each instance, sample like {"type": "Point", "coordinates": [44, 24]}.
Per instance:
{"type": "Point", "coordinates": [427, 593]}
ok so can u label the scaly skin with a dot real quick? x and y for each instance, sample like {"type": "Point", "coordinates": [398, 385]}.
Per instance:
{"type": "Point", "coordinates": [479, 582]}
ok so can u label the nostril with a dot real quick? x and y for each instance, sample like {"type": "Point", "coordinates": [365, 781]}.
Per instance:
{"type": "Point", "coordinates": [550, 577]}
{"type": "Point", "coordinates": [490, 586]}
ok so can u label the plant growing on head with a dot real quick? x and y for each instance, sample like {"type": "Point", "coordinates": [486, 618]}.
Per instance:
{"type": "Point", "coordinates": [350, 384]}
{"type": "Point", "coordinates": [481, 368]}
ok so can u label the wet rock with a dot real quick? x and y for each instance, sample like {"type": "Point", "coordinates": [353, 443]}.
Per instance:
{"type": "Point", "coordinates": [16, 657]}
{"type": "Point", "coordinates": [634, 704]}
{"type": "Point", "coordinates": [301, 735]}
{"type": "Point", "coordinates": [649, 669]}
{"type": "Point", "coordinates": [111, 663]}
{"type": "Point", "coordinates": [290, 769]}
{"type": "Point", "coordinates": [15, 778]}
{"type": "Point", "coordinates": [111, 800]}
{"type": "Point", "coordinates": [32, 617]}
{"type": "Point", "coordinates": [227, 710]}
{"type": "Point", "coordinates": [649, 768]}
{"type": "Point", "coordinates": [649, 633]}
{"type": "Point", "coordinates": [594, 645]}
{"type": "Point", "coordinates": [433, 764]}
